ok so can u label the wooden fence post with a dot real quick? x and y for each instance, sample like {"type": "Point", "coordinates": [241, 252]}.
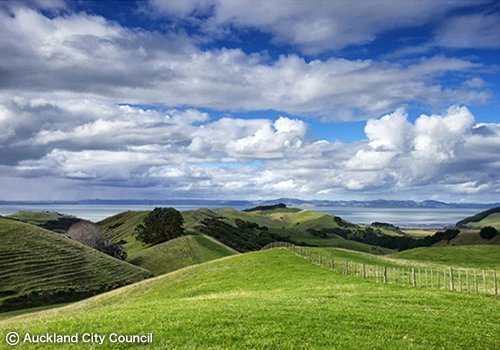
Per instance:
{"type": "Point", "coordinates": [484, 283]}
{"type": "Point", "coordinates": [460, 279]}
{"type": "Point", "coordinates": [475, 281]}
{"type": "Point", "coordinates": [467, 278]}
{"type": "Point", "coordinates": [452, 287]}
{"type": "Point", "coordinates": [444, 278]}
{"type": "Point", "coordinates": [346, 268]}
{"type": "Point", "coordinates": [414, 281]}
{"type": "Point", "coordinates": [385, 274]}
{"type": "Point", "coordinates": [331, 264]}
{"type": "Point", "coordinates": [419, 278]}
{"type": "Point", "coordinates": [426, 280]}
{"type": "Point", "coordinates": [439, 276]}
{"type": "Point", "coordinates": [495, 281]}
{"type": "Point", "coordinates": [300, 251]}
{"type": "Point", "coordinates": [320, 259]}
{"type": "Point", "coordinates": [432, 280]}
{"type": "Point", "coordinates": [364, 271]}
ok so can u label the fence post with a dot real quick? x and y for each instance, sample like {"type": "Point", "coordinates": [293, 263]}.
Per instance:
{"type": "Point", "coordinates": [320, 260]}
{"type": "Point", "coordinates": [460, 279]}
{"type": "Point", "coordinates": [444, 278]}
{"type": "Point", "coordinates": [364, 271]}
{"type": "Point", "coordinates": [385, 274]}
{"type": "Point", "coordinates": [426, 280]}
{"type": "Point", "coordinates": [346, 268]}
{"type": "Point", "coordinates": [300, 251]}
{"type": "Point", "coordinates": [439, 279]}
{"type": "Point", "coordinates": [414, 281]}
{"type": "Point", "coordinates": [331, 264]}
{"type": "Point", "coordinates": [495, 281]}
{"type": "Point", "coordinates": [467, 278]}
{"type": "Point", "coordinates": [452, 287]}
{"type": "Point", "coordinates": [484, 282]}
{"type": "Point", "coordinates": [475, 281]}
{"type": "Point", "coordinates": [432, 280]}
{"type": "Point", "coordinates": [419, 278]}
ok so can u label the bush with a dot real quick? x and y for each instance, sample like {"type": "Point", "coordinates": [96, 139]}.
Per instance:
{"type": "Point", "coordinates": [488, 232]}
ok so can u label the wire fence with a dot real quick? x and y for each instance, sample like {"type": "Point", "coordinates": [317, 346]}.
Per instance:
{"type": "Point", "coordinates": [477, 281]}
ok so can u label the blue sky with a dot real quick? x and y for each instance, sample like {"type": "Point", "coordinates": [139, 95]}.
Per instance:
{"type": "Point", "coordinates": [250, 99]}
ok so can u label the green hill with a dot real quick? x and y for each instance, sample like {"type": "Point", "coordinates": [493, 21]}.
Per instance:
{"type": "Point", "coordinates": [178, 253]}
{"type": "Point", "coordinates": [489, 217]}
{"type": "Point", "coordinates": [39, 267]}
{"type": "Point", "coordinates": [48, 220]}
{"type": "Point", "coordinates": [274, 299]}
{"type": "Point", "coordinates": [300, 226]}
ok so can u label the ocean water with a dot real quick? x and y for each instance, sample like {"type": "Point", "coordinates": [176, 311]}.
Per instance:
{"type": "Point", "coordinates": [403, 217]}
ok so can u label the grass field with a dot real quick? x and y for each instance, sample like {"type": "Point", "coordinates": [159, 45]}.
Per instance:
{"type": "Point", "coordinates": [274, 299]}
{"type": "Point", "coordinates": [178, 253]}
{"type": "Point", "coordinates": [490, 220]}
{"type": "Point", "coordinates": [289, 222]}
{"type": "Point", "coordinates": [39, 267]}
{"type": "Point", "coordinates": [472, 256]}
{"type": "Point", "coordinates": [35, 217]}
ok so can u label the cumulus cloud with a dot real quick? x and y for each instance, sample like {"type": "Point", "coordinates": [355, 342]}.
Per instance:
{"type": "Point", "coordinates": [95, 59]}
{"type": "Point", "coordinates": [315, 26]}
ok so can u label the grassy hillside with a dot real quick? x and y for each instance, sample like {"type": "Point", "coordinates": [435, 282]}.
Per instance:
{"type": "Point", "coordinates": [275, 299]}
{"type": "Point", "coordinates": [479, 256]}
{"type": "Point", "coordinates": [48, 220]}
{"type": "Point", "coordinates": [288, 223]}
{"type": "Point", "coordinates": [490, 217]}
{"type": "Point", "coordinates": [179, 253]}
{"type": "Point", "coordinates": [120, 228]}
{"type": "Point", "coordinates": [472, 256]}
{"type": "Point", "coordinates": [39, 267]}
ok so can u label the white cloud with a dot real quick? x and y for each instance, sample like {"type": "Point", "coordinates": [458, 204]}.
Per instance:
{"type": "Point", "coordinates": [81, 56]}
{"type": "Point", "coordinates": [313, 26]}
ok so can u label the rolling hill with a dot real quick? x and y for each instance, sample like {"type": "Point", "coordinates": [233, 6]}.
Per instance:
{"type": "Point", "coordinates": [274, 299]}
{"type": "Point", "coordinates": [48, 220]}
{"type": "Point", "coordinates": [489, 217]}
{"type": "Point", "coordinates": [39, 267]}
{"type": "Point", "coordinates": [178, 253]}
{"type": "Point", "coordinates": [294, 224]}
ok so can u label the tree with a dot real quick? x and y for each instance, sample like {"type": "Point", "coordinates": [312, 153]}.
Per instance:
{"type": "Point", "coordinates": [92, 236]}
{"type": "Point", "coordinates": [488, 232]}
{"type": "Point", "coordinates": [161, 225]}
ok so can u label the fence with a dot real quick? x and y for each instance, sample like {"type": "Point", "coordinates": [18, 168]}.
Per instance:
{"type": "Point", "coordinates": [476, 281]}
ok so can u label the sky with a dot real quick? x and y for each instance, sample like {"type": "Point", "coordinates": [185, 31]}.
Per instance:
{"type": "Point", "coordinates": [212, 99]}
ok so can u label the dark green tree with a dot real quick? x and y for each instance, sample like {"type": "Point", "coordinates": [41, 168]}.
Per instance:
{"type": "Point", "coordinates": [161, 225]}
{"type": "Point", "coordinates": [488, 232]}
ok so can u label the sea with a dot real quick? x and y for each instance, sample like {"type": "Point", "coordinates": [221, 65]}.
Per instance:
{"type": "Point", "coordinates": [402, 217]}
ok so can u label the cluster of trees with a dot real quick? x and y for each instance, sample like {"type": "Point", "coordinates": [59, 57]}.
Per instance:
{"type": "Point", "coordinates": [267, 207]}
{"type": "Point", "coordinates": [91, 235]}
{"type": "Point", "coordinates": [377, 238]}
{"type": "Point", "coordinates": [246, 236]}
{"type": "Point", "coordinates": [488, 232]}
{"type": "Point", "coordinates": [160, 225]}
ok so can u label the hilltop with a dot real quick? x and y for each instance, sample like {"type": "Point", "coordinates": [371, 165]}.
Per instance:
{"type": "Point", "coordinates": [257, 228]}
{"type": "Point", "coordinates": [489, 217]}
{"type": "Point", "coordinates": [178, 253]}
{"type": "Point", "coordinates": [40, 267]}
{"type": "Point", "coordinates": [275, 299]}
{"type": "Point", "coordinates": [48, 220]}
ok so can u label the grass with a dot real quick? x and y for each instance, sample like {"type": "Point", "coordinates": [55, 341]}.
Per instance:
{"type": "Point", "coordinates": [178, 253]}
{"type": "Point", "coordinates": [39, 267]}
{"type": "Point", "coordinates": [474, 256]}
{"type": "Point", "coordinates": [274, 299]}
{"type": "Point", "coordinates": [418, 233]}
{"type": "Point", "coordinates": [36, 218]}
{"type": "Point", "coordinates": [490, 220]}
{"type": "Point", "coordinates": [289, 222]}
